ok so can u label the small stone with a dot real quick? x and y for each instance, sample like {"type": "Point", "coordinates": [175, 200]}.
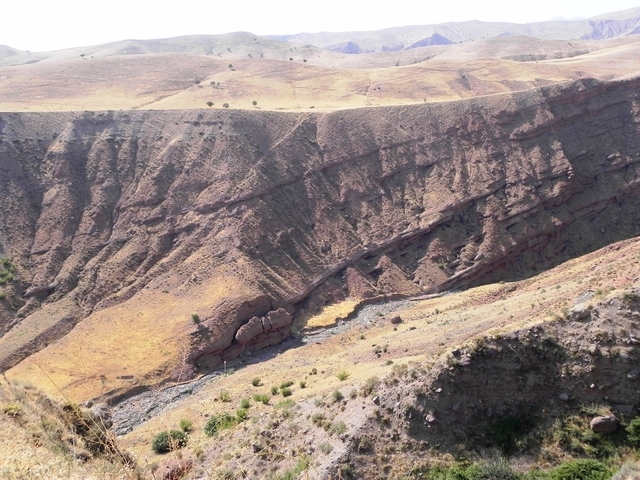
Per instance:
{"type": "Point", "coordinates": [633, 375]}
{"type": "Point", "coordinates": [604, 424]}
{"type": "Point", "coordinates": [438, 390]}
{"type": "Point", "coordinates": [376, 400]}
{"type": "Point", "coordinates": [430, 418]}
{"type": "Point", "coordinates": [175, 468]}
{"type": "Point", "coordinates": [455, 352]}
{"type": "Point", "coordinates": [396, 320]}
{"type": "Point", "coordinates": [564, 397]}
{"type": "Point", "coordinates": [593, 385]}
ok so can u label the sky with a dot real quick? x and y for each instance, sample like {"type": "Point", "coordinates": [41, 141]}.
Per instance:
{"type": "Point", "coordinates": [41, 25]}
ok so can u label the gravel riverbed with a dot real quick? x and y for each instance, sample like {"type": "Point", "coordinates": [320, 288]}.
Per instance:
{"type": "Point", "coordinates": [137, 409]}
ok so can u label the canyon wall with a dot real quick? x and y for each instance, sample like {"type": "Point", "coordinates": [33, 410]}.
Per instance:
{"type": "Point", "coordinates": [294, 211]}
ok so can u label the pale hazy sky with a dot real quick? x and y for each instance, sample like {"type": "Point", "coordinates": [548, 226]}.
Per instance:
{"type": "Point", "coordinates": [39, 25]}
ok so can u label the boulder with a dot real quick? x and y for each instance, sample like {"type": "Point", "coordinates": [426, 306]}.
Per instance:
{"type": "Point", "coordinates": [249, 330]}
{"type": "Point", "coordinates": [278, 318]}
{"type": "Point", "coordinates": [175, 468]}
{"type": "Point", "coordinates": [604, 424]}
{"type": "Point", "coordinates": [396, 320]}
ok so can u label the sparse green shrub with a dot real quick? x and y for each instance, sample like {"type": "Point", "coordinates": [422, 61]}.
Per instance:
{"type": "Point", "coordinates": [633, 432]}
{"type": "Point", "coordinates": [256, 382]}
{"type": "Point", "coordinates": [303, 384]}
{"type": "Point", "coordinates": [339, 428]}
{"type": "Point", "coordinates": [195, 318]}
{"type": "Point", "coordinates": [186, 425]}
{"type": "Point", "coordinates": [630, 297]}
{"type": "Point", "coordinates": [168, 441]}
{"type": "Point", "coordinates": [209, 104]}
{"type": "Point", "coordinates": [288, 403]}
{"type": "Point", "coordinates": [325, 448]}
{"type": "Point", "coordinates": [286, 392]}
{"type": "Point", "coordinates": [342, 376]}
{"type": "Point", "coordinates": [264, 398]}
{"type": "Point", "coordinates": [318, 419]}
{"type": "Point", "coordinates": [12, 409]}
{"type": "Point", "coordinates": [225, 105]}
{"type": "Point", "coordinates": [219, 422]}
{"type": "Point", "coordinates": [244, 403]}
{"type": "Point", "coordinates": [369, 386]}
{"type": "Point", "coordinates": [242, 414]}
{"type": "Point", "coordinates": [274, 390]}
{"type": "Point", "coordinates": [3, 296]}
{"type": "Point", "coordinates": [224, 396]}
{"type": "Point", "coordinates": [456, 471]}
{"type": "Point", "coordinates": [581, 470]}
{"type": "Point", "coordinates": [286, 384]}
{"type": "Point", "coordinates": [496, 470]}
{"type": "Point", "coordinates": [314, 371]}
{"type": "Point", "coordinates": [337, 396]}
{"type": "Point", "coordinates": [294, 473]}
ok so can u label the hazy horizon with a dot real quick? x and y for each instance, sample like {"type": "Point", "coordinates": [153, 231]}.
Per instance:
{"type": "Point", "coordinates": [45, 26]}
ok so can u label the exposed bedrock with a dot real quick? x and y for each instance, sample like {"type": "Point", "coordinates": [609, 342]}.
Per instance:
{"type": "Point", "coordinates": [303, 210]}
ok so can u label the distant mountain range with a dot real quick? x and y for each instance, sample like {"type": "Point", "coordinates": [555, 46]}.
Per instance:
{"type": "Point", "coordinates": [611, 25]}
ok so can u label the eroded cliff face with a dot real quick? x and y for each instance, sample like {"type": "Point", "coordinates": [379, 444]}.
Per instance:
{"type": "Point", "coordinates": [295, 211]}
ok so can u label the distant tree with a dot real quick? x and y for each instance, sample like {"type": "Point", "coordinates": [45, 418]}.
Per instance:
{"type": "Point", "coordinates": [254, 103]}
{"type": "Point", "coordinates": [210, 104]}
{"type": "Point", "coordinates": [290, 59]}
{"type": "Point", "coordinates": [225, 105]}
{"type": "Point", "coordinates": [304, 60]}
{"type": "Point", "coordinates": [197, 82]}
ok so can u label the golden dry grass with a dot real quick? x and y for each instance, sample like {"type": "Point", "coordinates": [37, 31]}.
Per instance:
{"type": "Point", "coordinates": [327, 81]}
{"type": "Point", "coordinates": [36, 443]}
{"type": "Point", "coordinates": [140, 339]}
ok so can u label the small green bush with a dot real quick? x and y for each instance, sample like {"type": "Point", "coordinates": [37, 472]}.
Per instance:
{"type": "Point", "coordinates": [314, 371]}
{"type": "Point", "coordinates": [242, 414]}
{"type": "Point", "coordinates": [337, 396]}
{"type": "Point", "coordinates": [3, 296]}
{"type": "Point", "coordinates": [286, 384]}
{"type": "Point", "coordinates": [288, 403]}
{"type": "Point", "coordinates": [264, 398]}
{"type": "Point", "coordinates": [218, 423]}
{"type": "Point", "coordinates": [224, 396]}
{"type": "Point", "coordinates": [286, 392]}
{"type": "Point", "coordinates": [342, 376]}
{"type": "Point", "coordinates": [186, 425]}
{"type": "Point", "coordinates": [325, 448]}
{"type": "Point", "coordinates": [303, 384]}
{"type": "Point", "coordinates": [274, 390]}
{"type": "Point", "coordinates": [369, 386]}
{"type": "Point", "coordinates": [256, 382]}
{"type": "Point", "coordinates": [168, 441]}
{"type": "Point", "coordinates": [496, 470]}
{"type": "Point", "coordinates": [339, 428]}
{"type": "Point", "coordinates": [195, 318]}
{"type": "Point", "coordinates": [581, 470]}
{"type": "Point", "coordinates": [633, 432]}
{"type": "Point", "coordinates": [244, 403]}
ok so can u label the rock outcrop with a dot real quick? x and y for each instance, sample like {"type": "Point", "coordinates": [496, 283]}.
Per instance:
{"type": "Point", "coordinates": [304, 209]}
